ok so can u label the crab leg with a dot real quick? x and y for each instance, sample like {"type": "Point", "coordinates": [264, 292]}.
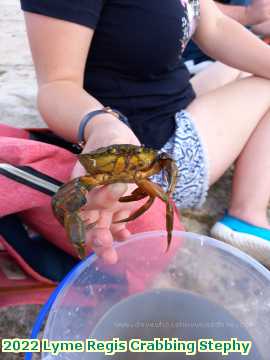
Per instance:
{"type": "Point", "coordinates": [146, 187]}
{"type": "Point", "coordinates": [171, 170]}
{"type": "Point", "coordinates": [169, 222]}
{"type": "Point", "coordinates": [155, 190]}
{"type": "Point", "coordinates": [136, 195]}
{"type": "Point", "coordinates": [138, 212]}
{"type": "Point", "coordinates": [171, 174]}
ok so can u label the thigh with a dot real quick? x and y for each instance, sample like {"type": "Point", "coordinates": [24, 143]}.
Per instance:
{"type": "Point", "coordinates": [226, 117]}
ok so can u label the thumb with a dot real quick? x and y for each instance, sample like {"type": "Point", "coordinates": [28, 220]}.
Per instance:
{"type": "Point", "coordinates": [115, 191]}
{"type": "Point", "coordinates": [77, 171]}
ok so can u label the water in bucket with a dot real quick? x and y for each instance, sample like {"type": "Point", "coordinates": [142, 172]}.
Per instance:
{"type": "Point", "coordinates": [200, 289]}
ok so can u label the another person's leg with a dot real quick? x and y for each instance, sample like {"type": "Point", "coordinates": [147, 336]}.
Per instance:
{"type": "Point", "coordinates": [214, 76]}
{"type": "Point", "coordinates": [234, 124]}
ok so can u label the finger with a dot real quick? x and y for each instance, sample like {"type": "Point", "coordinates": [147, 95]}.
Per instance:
{"type": "Point", "coordinates": [89, 217]}
{"type": "Point", "coordinates": [102, 221]}
{"type": "Point", "coordinates": [101, 243]}
{"type": "Point", "coordinates": [105, 219]}
{"type": "Point", "coordinates": [110, 256]}
{"type": "Point", "coordinates": [105, 197]}
{"type": "Point", "coordinates": [122, 235]}
{"type": "Point", "coordinates": [119, 231]}
{"type": "Point", "coordinates": [99, 239]}
{"type": "Point", "coordinates": [115, 228]}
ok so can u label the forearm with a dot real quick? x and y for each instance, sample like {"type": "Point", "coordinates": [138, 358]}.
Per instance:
{"type": "Point", "coordinates": [231, 43]}
{"type": "Point", "coordinates": [262, 29]}
{"type": "Point", "coordinates": [62, 104]}
{"type": "Point", "coordinates": [236, 12]}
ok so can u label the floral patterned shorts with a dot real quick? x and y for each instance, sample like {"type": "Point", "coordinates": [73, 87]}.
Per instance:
{"type": "Point", "coordinates": [186, 148]}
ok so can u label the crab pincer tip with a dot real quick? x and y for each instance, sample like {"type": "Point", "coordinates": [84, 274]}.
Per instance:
{"type": "Point", "coordinates": [169, 240]}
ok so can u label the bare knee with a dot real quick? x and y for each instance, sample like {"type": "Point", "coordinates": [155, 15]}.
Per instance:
{"type": "Point", "coordinates": [257, 81]}
{"type": "Point", "coordinates": [261, 90]}
{"type": "Point", "coordinates": [214, 76]}
{"type": "Point", "coordinates": [226, 118]}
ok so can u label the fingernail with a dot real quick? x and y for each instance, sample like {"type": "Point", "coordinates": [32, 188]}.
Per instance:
{"type": "Point", "coordinates": [110, 257]}
{"type": "Point", "coordinates": [118, 189]}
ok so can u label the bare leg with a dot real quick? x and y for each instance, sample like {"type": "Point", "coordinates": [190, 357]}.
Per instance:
{"type": "Point", "coordinates": [215, 76]}
{"type": "Point", "coordinates": [234, 122]}
{"type": "Point", "coordinates": [251, 183]}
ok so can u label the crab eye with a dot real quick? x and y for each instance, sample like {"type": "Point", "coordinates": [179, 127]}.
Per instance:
{"type": "Point", "coordinates": [112, 150]}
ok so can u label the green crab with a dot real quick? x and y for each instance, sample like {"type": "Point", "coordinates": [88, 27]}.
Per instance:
{"type": "Point", "coordinates": [116, 163]}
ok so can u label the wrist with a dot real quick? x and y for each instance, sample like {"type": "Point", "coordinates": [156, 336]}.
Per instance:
{"type": "Point", "coordinates": [90, 121]}
{"type": "Point", "coordinates": [97, 122]}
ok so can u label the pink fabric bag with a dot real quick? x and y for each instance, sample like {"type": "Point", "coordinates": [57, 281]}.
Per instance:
{"type": "Point", "coordinates": [19, 283]}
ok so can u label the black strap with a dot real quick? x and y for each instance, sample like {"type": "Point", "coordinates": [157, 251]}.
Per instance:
{"type": "Point", "coordinates": [31, 177]}
{"type": "Point", "coordinates": [85, 120]}
{"type": "Point", "coordinates": [48, 137]}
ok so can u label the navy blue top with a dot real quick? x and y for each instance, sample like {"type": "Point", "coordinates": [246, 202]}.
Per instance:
{"type": "Point", "coordinates": [135, 62]}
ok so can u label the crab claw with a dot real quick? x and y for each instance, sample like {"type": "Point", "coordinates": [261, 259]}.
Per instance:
{"type": "Point", "coordinates": [66, 204]}
{"type": "Point", "coordinates": [76, 232]}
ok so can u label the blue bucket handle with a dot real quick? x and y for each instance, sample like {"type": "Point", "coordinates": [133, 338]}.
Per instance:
{"type": "Point", "coordinates": [47, 306]}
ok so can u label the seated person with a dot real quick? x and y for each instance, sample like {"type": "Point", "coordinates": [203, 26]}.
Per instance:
{"type": "Point", "coordinates": [211, 74]}
{"type": "Point", "coordinates": [127, 54]}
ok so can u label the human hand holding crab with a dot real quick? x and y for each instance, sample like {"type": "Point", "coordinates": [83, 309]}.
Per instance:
{"type": "Point", "coordinates": [113, 157]}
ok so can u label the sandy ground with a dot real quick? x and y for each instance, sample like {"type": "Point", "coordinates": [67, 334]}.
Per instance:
{"type": "Point", "coordinates": [18, 108]}
{"type": "Point", "coordinates": [17, 78]}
